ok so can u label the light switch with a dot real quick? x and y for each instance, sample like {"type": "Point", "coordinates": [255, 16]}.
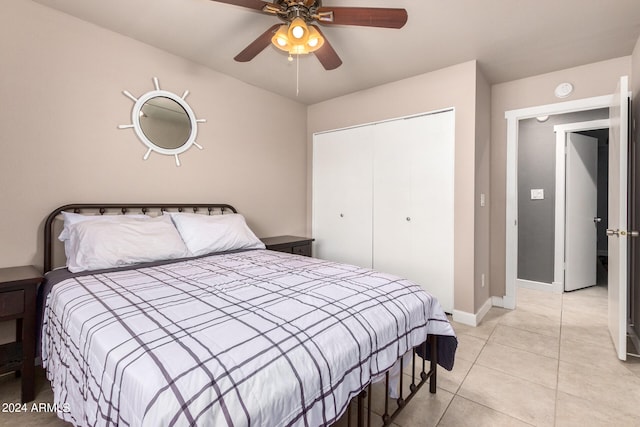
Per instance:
{"type": "Point", "coordinates": [482, 200]}
{"type": "Point", "coordinates": [537, 193]}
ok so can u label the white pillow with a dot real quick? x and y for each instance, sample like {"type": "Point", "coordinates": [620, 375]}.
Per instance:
{"type": "Point", "coordinates": [204, 234]}
{"type": "Point", "coordinates": [71, 218]}
{"type": "Point", "coordinates": [106, 244]}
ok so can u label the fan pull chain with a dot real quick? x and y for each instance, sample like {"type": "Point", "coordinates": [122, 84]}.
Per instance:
{"type": "Point", "coordinates": [290, 58]}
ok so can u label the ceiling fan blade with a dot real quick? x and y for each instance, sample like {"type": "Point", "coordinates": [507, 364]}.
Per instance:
{"type": "Point", "coordinates": [327, 56]}
{"type": "Point", "coordinates": [363, 16]}
{"type": "Point", "coordinates": [257, 46]}
{"type": "Point", "coordinates": [251, 4]}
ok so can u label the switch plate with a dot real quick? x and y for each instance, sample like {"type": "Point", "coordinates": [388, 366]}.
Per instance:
{"type": "Point", "coordinates": [537, 194]}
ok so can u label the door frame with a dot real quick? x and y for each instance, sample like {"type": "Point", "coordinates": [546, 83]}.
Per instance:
{"type": "Point", "coordinates": [511, 221]}
{"type": "Point", "coordinates": [561, 178]}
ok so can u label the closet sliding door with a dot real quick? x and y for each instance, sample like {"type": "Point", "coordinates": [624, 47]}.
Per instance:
{"type": "Point", "coordinates": [383, 199]}
{"type": "Point", "coordinates": [342, 196]}
{"type": "Point", "coordinates": [413, 173]}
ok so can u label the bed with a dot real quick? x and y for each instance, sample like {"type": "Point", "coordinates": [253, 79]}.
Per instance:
{"type": "Point", "coordinates": [238, 337]}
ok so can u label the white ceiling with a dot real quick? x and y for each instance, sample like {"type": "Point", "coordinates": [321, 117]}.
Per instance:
{"type": "Point", "coordinates": [511, 39]}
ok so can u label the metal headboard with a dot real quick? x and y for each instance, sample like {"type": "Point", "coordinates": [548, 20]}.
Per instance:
{"type": "Point", "coordinates": [122, 208]}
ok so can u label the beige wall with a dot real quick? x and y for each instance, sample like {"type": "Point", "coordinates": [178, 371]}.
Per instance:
{"type": "Point", "coordinates": [589, 80]}
{"type": "Point", "coordinates": [483, 173]}
{"type": "Point", "coordinates": [60, 84]}
{"type": "Point", "coordinates": [450, 87]}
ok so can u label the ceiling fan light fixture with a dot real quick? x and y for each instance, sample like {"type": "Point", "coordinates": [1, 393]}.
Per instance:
{"type": "Point", "coordinates": [315, 40]}
{"type": "Point", "coordinates": [297, 38]}
{"type": "Point", "coordinates": [280, 39]}
{"type": "Point", "coordinates": [298, 49]}
{"type": "Point", "coordinates": [298, 30]}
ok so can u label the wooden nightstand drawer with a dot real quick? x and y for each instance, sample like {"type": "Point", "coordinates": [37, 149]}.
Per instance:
{"type": "Point", "coordinates": [289, 244]}
{"type": "Point", "coordinates": [18, 301]}
{"type": "Point", "coordinates": [304, 250]}
{"type": "Point", "coordinates": [11, 303]}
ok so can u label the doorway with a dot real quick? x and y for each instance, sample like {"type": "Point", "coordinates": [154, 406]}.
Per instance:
{"type": "Point", "coordinates": [541, 196]}
{"type": "Point", "coordinates": [620, 207]}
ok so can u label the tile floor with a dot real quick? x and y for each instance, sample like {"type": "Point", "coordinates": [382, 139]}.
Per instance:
{"type": "Point", "coordinates": [550, 362]}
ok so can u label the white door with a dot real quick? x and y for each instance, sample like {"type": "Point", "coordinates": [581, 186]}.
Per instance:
{"type": "Point", "coordinates": [342, 196]}
{"type": "Point", "coordinates": [581, 210]}
{"type": "Point", "coordinates": [617, 227]}
{"type": "Point", "coordinates": [413, 205]}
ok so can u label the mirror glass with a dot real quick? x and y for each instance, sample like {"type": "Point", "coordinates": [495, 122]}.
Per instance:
{"type": "Point", "coordinates": [165, 122]}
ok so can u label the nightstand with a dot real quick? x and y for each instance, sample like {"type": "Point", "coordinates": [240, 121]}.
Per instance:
{"type": "Point", "coordinates": [289, 244]}
{"type": "Point", "coordinates": [18, 302]}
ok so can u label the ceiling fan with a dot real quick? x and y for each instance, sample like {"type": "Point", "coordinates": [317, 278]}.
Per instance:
{"type": "Point", "coordinates": [298, 34]}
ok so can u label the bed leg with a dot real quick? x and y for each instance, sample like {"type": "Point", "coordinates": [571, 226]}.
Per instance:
{"type": "Point", "coordinates": [361, 397]}
{"type": "Point", "coordinates": [413, 386]}
{"type": "Point", "coordinates": [433, 342]}
{"type": "Point", "coordinates": [385, 416]}
{"type": "Point", "coordinates": [369, 406]}
{"type": "Point", "coordinates": [400, 400]}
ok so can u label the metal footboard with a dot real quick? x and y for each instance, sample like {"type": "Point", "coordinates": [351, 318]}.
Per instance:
{"type": "Point", "coordinates": [401, 401]}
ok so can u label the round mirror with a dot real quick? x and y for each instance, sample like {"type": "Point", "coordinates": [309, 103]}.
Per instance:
{"type": "Point", "coordinates": [164, 122]}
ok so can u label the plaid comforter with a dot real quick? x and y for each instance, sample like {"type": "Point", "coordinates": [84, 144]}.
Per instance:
{"type": "Point", "coordinates": [257, 338]}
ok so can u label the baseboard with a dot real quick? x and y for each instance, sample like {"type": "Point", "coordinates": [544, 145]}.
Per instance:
{"type": "Point", "coordinates": [557, 287]}
{"type": "Point", "coordinates": [471, 319]}
{"type": "Point", "coordinates": [464, 317]}
{"type": "Point", "coordinates": [506, 301]}
{"type": "Point", "coordinates": [497, 301]}
{"type": "Point", "coordinates": [484, 310]}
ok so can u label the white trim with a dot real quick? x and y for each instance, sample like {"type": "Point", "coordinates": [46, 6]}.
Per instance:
{"type": "Point", "coordinates": [554, 287]}
{"type": "Point", "coordinates": [484, 310]}
{"type": "Point", "coordinates": [582, 126]}
{"type": "Point", "coordinates": [465, 318]}
{"type": "Point", "coordinates": [470, 318]}
{"type": "Point", "coordinates": [558, 287]}
{"type": "Point", "coordinates": [504, 302]}
{"type": "Point", "coordinates": [497, 302]}
{"type": "Point", "coordinates": [511, 226]}
{"type": "Point", "coordinates": [561, 178]}
{"type": "Point", "coordinates": [426, 113]}
{"type": "Point", "coordinates": [560, 108]}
